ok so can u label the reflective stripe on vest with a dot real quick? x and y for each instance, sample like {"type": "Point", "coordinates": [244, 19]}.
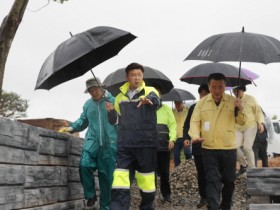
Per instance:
{"type": "Point", "coordinates": [121, 179]}
{"type": "Point", "coordinates": [146, 181]}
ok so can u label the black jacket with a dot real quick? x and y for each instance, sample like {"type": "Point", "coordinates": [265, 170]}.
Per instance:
{"type": "Point", "coordinates": [196, 148]}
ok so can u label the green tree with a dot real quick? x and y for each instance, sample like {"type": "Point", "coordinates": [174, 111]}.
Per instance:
{"type": "Point", "coordinates": [12, 105]}
{"type": "Point", "coordinates": [274, 117]}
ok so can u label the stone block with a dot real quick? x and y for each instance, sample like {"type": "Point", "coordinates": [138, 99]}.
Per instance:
{"type": "Point", "coordinates": [76, 145]}
{"type": "Point", "coordinates": [52, 160]}
{"type": "Point", "coordinates": [75, 190]}
{"type": "Point", "coordinates": [52, 146]}
{"type": "Point", "coordinates": [45, 176]}
{"type": "Point", "coordinates": [11, 197]}
{"type": "Point", "coordinates": [12, 174]}
{"type": "Point", "coordinates": [73, 174]}
{"type": "Point", "coordinates": [74, 160]}
{"type": "Point", "coordinates": [17, 156]}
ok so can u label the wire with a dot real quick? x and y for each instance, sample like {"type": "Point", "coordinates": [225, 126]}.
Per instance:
{"type": "Point", "coordinates": [39, 8]}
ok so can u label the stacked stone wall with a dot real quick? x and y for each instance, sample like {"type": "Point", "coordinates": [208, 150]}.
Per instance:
{"type": "Point", "coordinates": [39, 168]}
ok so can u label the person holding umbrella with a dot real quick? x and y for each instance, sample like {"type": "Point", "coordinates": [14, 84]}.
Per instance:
{"type": "Point", "coordinates": [135, 112]}
{"type": "Point", "coordinates": [203, 90]}
{"type": "Point", "coordinates": [213, 123]}
{"type": "Point", "coordinates": [99, 148]}
{"type": "Point", "coordinates": [245, 134]}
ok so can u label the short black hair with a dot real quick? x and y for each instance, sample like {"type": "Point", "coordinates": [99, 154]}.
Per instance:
{"type": "Point", "coordinates": [216, 76]}
{"type": "Point", "coordinates": [241, 87]}
{"type": "Point", "coordinates": [203, 87]}
{"type": "Point", "coordinates": [133, 66]}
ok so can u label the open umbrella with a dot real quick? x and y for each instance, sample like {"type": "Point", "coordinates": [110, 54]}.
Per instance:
{"type": "Point", "coordinates": [152, 77]}
{"type": "Point", "coordinates": [177, 94]}
{"type": "Point", "coordinates": [240, 46]}
{"type": "Point", "coordinates": [199, 74]}
{"type": "Point", "coordinates": [83, 51]}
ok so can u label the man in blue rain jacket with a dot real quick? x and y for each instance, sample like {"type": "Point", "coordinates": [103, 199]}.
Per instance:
{"type": "Point", "coordinates": [135, 112]}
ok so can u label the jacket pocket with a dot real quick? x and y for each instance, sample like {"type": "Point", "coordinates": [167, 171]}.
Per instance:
{"type": "Point", "coordinates": [91, 146]}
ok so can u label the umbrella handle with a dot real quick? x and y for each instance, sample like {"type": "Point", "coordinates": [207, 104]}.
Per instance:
{"type": "Point", "coordinates": [235, 111]}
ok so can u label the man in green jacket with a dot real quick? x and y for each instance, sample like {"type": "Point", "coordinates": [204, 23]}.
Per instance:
{"type": "Point", "coordinates": [166, 124]}
{"type": "Point", "coordinates": [213, 123]}
{"type": "Point", "coordinates": [99, 148]}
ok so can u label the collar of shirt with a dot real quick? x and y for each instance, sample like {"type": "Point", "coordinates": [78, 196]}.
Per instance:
{"type": "Point", "coordinates": [131, 93]}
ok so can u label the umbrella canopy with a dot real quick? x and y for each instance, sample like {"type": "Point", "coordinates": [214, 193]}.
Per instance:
{"type": "Point", "coordinates": [83, 51]}
{"type": "Point", "coordinates": [251, 75]}
{"type": "Point", "coordinates": [152, 77]}
{"type": "Point", "coordinates": [241, 46]}
{"type": "Point", "coordinates": [177, 94]}
{"type": "Point", "coordinates": [199, 74]}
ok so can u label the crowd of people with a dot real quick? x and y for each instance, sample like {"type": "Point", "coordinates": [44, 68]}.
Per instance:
{"type": "Point", "coordinates": [130, 138]}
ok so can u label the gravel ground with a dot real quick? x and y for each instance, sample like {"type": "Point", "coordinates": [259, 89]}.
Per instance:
{"type": "Point", "coordinates": [185, 191]}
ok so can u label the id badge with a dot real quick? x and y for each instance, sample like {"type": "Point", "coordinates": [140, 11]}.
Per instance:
{"type": "Point", "coordinates": [206, 126]}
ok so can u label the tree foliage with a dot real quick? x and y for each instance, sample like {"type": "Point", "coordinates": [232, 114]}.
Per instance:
{"type": "Point", "coordinates": [12, 105]}
{"type": "Point", "coordinates": [274, 117]}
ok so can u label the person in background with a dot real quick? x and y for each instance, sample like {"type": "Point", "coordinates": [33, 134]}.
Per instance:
{"type": "Point", "coordinates": [261, 140]}
{"type": "Point", "coordinates": [245, 134]}
{"type": "Point", "coordinates": [203, 90]}
{"type": "Point", "coordinates": [135, 112]}
{"type": "Point", "coordinates": [99, 149]}
{"type": "Point", "coordinates": [166, 125]}
{"type": "Point", "coordinates": [180, 113]}
{"type": "Point", "coordinates": [213, 123]}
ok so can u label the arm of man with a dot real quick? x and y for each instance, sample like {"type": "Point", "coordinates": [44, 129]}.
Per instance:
{"type": "Point", "coordinates": [113, 117]}
{"type": "Point", "coordinates": [152, 98]}
{"type": "Point", "coordinates": [172, 126]}
{"type": "Point", "coordinates": [81, 123]}
{"type": "Point", "coordinates": [194, 130]}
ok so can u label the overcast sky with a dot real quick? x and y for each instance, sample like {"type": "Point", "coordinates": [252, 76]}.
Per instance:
{"type": "Point", "coordinates": [167, 31]}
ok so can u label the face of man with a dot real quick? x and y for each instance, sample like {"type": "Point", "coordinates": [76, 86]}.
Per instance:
{"type": "Point", "coordinates": [96, 93]}
{"type": "Point", "coordinates": [238, 93]}
{"type": "Point", "coordinates": [217, 89]}
{"type": "Point", "coordinates": [179, 105]}
{"type": "Point", "coordinates": [135, 78]}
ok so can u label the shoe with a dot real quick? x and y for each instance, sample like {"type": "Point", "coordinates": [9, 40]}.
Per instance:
{"type": "Point", "coordinates": [225, 207]}
{"type": "Point", "coordinates": [91, 201]}
{"type": "Point", "coordinates": [241, 171]}
{"type": "Point", "coordinates": [202, 203]}
{"type": "Point", "coordinates": [167, 198]}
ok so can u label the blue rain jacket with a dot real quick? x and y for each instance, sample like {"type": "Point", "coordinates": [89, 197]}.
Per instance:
{"type": "Point", "coordinates": [100, 132]}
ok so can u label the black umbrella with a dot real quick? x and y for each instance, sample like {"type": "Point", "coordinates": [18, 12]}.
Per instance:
{"type": "Point", "coordinates": [199, 74]}
{"type": "Point", "coordinates": [177, 94]}
{"type": "Point", "coordinates": [152, 77]}
{"type": "Point", "coordinates": [241, 46]}
{"type": "Point", "coordinates": [83, 51]}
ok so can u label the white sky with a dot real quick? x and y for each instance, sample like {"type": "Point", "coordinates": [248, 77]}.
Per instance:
{"type": "Point", "coordinates": [167, 31]}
